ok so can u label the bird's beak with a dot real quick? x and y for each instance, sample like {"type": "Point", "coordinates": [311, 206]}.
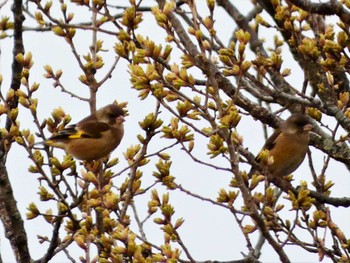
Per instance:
{"type": "Point", "coordinates": [308, 127]}
{"type": "Point", "coordinates": [120, 119]}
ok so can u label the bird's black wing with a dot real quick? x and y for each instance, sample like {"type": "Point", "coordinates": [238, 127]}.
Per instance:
{"type": "Point", "coordinates": [92, 129]}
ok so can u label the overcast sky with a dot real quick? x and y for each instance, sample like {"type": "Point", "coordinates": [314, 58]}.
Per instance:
{"type": "Point", "coordinates": [221, 238]}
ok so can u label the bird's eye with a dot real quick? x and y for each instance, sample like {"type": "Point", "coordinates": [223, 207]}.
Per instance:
{"type": "Point", "coordinates": [302, 122]}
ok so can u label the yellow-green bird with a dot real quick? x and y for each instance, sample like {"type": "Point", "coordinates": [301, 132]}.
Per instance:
{"type": "Point", "coordinates": [94, 137]}
{"type": "Point", "coordinates": [287, 146]}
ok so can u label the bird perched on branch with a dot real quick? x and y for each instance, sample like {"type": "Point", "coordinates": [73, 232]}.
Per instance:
{"type": "Point", "coordinates": [287, 146]}
{"type": "Point", "coordinates": [93, 137]}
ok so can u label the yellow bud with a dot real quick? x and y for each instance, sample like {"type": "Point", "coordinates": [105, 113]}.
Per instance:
{"type": "Point", "coordinates": [64, 7]}
{"type": "Point", "coordinates": [112, 162]}
{"type": "Point", "coordinates": [199, 34]}
{"type": "Point", "coordinates": [247, 229]}
{"type": "Point", "coordinates": [211, 5]}
{"type": "Point", "coordinates": [19, 140]}
{"type": "Point", "coordinates": [206, 45]}
{"type": "Point", "coordinates": [245, 66]}
{"type": "Point", "coordinates": [58, 31]}
{"type": "Point", "coordinates": [48, 70]}
{"type": "Point", "coordinates": [14, 130]}
{"type": "Point", "coordinates": [62, 208]}
{"type": "Point", "coordinates": [330, 78]}
{"type": "Point", "coordinates": [20, 93]}
{"type": "Point", "coordinates": [20, 58]}
{"type": "Point", "coordinates": [34, 87]}
{"type": "Point", "coordinates": [80, 242]}
{"type": "Point", "coordinates": [169, 7]}
{"type": "Point", "coordinates": [33, 169]}
{"type": "Point", "coordinates": [191, 30]}
{"type": "Point", "coordinates": [119, 250]}
{"type": "Point", "coordinates": [10, 95]}
{"type": "Point", "coordinates": [208, 22]}
{"type": "Point", "coordinates": [54, 161]}
{"type": "Point", "coordinates": [31, 140]}
{"type": "Point", "coordinates": [190, 145]}
{"type": "Point", "coordinates": [89, 177]}
{"type": "Point", "coordinates": [106, 188]}
{"type": "Point", "coordinates": [314, 113]}
{"type": "Point", "coordinates": [111, 201]}
{"type": "Point", "coordinates": [3, 109]}
{"type": "Point", "coordinates": [23, 101]}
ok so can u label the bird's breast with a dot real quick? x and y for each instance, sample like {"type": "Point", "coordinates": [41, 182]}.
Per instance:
{"type": "Point", "coordinates": [288, 156]}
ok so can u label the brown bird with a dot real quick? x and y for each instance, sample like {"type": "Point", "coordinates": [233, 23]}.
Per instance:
{"type": "Point", "coordinates": [287, 146]}
{"type": "Point", "coordinates": [93, 137]}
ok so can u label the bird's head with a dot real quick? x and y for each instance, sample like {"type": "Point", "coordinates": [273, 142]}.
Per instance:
{"type": "Point", "coordinates": [297, 123]}
{"type": "Point", "coordinates": [111, 114]}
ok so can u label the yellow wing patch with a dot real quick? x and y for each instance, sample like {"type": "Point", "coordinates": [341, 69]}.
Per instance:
{"type": "Point", "coordinates": [76, 135]}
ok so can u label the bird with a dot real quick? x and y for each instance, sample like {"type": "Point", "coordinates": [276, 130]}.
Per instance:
{"type": "Point", "coordinates": [287, 146]}
{"type": "Point", "coordinates": [94, 137]}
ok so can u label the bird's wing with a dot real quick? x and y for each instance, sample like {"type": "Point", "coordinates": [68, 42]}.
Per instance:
{"type": "Point", "coordinates": [92, 129]}
{"type": "Point", "coordinates": [270, 143]}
